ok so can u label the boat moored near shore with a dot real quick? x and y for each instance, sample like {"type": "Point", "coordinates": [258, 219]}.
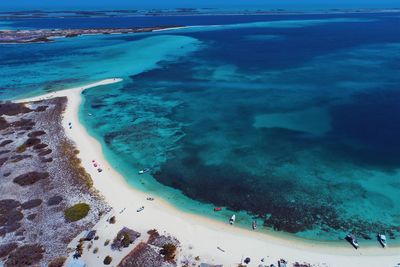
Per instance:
{"type": "Point", "coordinates": [352, 240]}
{"type": "Point", "coordinates": [254, 225]}
{"type": "Point", "coordinates": [232, 219]}
{"type": "Point", "coordinates": [145, 170]}
{"type": "Point", "coordinates": [382, 239]}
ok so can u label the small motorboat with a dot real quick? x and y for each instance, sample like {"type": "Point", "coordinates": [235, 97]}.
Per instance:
{"type": "Point", "coordinates": [382, 240]}
{"type": "Point", "coordinates": [144, 171]}
{"type": "Point", "coordinates": [217, 209]}
{"type": "Point", "coordinates": [232, 219]}
{"type": "Point", "coordinates": [254, 225]}
{"type": "Point", "coordinates": [140, 209]}
{"type": "Point", "coordinates": [352, 240]}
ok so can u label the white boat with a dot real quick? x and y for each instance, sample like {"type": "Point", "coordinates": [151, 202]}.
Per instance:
{"type": "Point", "coordinates": [232, 219]}
{"type": "Point", "coordinates": [382, 239]}
{"type": "Point", "coordinates": [352, 240]}
{"type": "Point", "coordinates": [144, 171]}
{"type": "Point", "coordinates": [254, 225]}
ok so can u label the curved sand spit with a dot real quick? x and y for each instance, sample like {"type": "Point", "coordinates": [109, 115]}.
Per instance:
{"type": "Point", "coordinates": [198, 235]}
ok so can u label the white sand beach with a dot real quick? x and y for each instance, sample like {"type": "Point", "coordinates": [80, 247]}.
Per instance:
{"type": "Point", "coordinates": [199, 236]}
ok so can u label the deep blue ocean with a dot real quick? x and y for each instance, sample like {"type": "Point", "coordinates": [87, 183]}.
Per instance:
{"type": "Point", "coordinates": [292, 120]}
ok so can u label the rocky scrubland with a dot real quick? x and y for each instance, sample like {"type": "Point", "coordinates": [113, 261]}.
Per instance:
{"type": "Point", "coordinates": [40, 180]}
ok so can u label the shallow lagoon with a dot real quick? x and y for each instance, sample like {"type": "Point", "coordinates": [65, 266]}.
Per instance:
{"type": "Point", "coordinates": [299, 129]}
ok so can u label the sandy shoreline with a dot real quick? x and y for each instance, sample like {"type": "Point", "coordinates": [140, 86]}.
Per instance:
{"type": "Point", "coordinates": [198, 235]}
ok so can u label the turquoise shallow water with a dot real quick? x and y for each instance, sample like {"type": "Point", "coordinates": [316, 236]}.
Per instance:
{"type": "Point", "coordinates": [68, 62]}
{"type": "Point", "coordinates": [291, 123]}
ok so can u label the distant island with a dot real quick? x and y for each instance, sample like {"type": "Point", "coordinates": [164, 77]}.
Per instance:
{"type": "Point", "coordinates": [47, 35]}
{"type": "Point", "coordinates": [184, 11]}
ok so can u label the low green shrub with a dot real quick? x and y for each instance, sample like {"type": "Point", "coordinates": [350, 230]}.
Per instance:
{"type": "Point", "coordinates": [57, 262]}
{"type": "Point", "coordinates": [168, 251]}
{"type": "Point", "coordinates": [21, 149]}
{"type": "Point", "coordinates": [26, 255]}
{"type": "Point", "coordinates": [77, 212]}
{"type": "Point", "coordinates": [107, 260]}
{"type": "Point", "coordinates": [30, 178]}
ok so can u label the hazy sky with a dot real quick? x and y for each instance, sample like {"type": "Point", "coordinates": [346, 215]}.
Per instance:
{"type": "Point", "coordinates": [93, 4]}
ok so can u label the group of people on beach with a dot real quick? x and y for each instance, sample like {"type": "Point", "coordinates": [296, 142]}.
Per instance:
{"type": "Point", "coordinates": [97, 165]}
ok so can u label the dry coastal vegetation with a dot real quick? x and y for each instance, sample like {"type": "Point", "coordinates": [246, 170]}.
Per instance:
{"type": "Point", "coordinates": [158, 251]}
{"type": "Point", "coordinates": [47, 199]}
{"type": "Point", "coordinates": [46, 196]}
